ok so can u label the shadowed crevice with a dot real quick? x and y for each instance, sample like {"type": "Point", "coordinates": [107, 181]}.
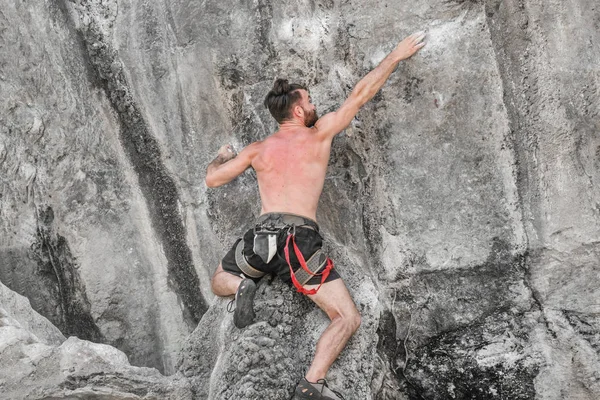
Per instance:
{"type": "Point", "coordinates": [47, 274]}
{"type": "Point", "coordinates": [143, 151]}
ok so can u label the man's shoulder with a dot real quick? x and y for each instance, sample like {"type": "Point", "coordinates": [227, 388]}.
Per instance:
{"type": "Point", "coordinates": [252, 150]}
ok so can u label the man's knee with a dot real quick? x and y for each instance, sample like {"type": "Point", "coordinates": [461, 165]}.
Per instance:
{"type": "Point", "coordinates": [213, 284]}
{"type": "Point", "coordinates": [218, 280]}
{"type": "Point", "coordinates": [355, 321]}
{"type": "Point", "coordinates": [351, 319]}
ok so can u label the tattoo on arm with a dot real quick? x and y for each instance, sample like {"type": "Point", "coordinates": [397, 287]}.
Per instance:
{"type": "Point", "coordinates": [219, 160]}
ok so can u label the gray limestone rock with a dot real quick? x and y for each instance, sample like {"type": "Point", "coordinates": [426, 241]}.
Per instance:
{"type": "Point", "coordinates": [461, 206]}
{"type": "Point", "coordinates": [19, 309]}
{"type": "Point", "coordinates": [75, 369]}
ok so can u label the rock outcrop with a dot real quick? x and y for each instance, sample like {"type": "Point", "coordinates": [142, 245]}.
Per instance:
{"type": "Point", "coordinates": [461, 207]}
{"type": "Point", "coordinates": [38, 363]}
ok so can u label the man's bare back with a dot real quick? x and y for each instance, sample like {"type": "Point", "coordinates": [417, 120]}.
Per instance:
{"type": "Point", "coordinates": [291, 166]}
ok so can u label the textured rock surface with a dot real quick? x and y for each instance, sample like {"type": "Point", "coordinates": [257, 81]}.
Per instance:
{"type": "Point", "coordinates": [19, 309]}
{"type": "Point", "coordinates": [75, 369]}
{"type": "Point", "coordinates": [461, 207]}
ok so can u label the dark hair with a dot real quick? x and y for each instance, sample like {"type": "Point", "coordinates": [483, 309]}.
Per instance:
{"type": "Point", "coordinates": [281, 98]}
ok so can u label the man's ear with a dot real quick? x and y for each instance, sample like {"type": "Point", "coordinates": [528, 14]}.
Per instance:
{"type": "Point", "coordinates": [299, 111]}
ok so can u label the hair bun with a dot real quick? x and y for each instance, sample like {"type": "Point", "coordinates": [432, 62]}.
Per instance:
{"type": "Point", "coordinates": [281, 98]}
{"type": "Point", "coordinates": [281, 86]}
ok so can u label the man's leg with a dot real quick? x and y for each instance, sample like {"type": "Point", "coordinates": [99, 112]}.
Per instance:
{"type": "Point", "coordinates": [334, 299]}
{"type": "Point", "coordinates": [224, 283]}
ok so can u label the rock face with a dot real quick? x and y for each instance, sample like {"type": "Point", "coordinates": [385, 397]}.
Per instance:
{"type": "Point", "coordinates": [18, 309]}
{"type": "Point", "coordinates": [462, 206]}
{"type": "Point", "coordinates": [38, 363]}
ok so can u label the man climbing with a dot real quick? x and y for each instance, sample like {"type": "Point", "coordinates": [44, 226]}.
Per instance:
{"type": "Point", "coordinates": [290, 166]}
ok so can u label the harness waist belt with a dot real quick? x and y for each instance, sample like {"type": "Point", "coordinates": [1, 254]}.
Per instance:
{"type": "Point", "coordinates": [282, 220]}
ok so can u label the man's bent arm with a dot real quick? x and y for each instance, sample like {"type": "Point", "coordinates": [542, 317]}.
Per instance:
{"type": "Point", "coordinates": [226, 166]}
{"type": "Point", "coordinates": [333, 123]}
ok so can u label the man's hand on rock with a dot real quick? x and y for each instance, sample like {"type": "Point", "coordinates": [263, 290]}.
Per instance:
{"type": "Point", "coordinates": [226, 153]}
{"type": "Point", "coordinates": [410, 46]}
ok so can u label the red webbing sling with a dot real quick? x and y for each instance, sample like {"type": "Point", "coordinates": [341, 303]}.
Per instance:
{"type": "Point", "coordinates": [300, 257]}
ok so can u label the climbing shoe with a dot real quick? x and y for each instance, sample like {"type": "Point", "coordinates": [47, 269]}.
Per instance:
{"type": "Point", "coordinates": [318, 390]}
{"type": "Point", "coordinates": [243, 315]}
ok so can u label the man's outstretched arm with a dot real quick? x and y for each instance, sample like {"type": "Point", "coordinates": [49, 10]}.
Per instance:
{"type": "Point", "coordinates": [333, 123]}
{"type": "Point", "coordinates": [226, 166]}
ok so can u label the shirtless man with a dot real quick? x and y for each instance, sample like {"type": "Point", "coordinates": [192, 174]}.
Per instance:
{"type": "Point", "coordinates": [290, 166]}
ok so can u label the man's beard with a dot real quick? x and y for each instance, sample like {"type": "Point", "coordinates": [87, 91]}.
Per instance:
{"type": "Point", "coordinates": [310, 118]}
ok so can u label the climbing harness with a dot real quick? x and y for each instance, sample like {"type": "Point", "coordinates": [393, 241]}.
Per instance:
{"type": "Point", "coordinates": [266, 233]}
{"type": "Point", "coordinates": [305, 272]}
{"type": "Point", "coordinates": [242, 263]}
